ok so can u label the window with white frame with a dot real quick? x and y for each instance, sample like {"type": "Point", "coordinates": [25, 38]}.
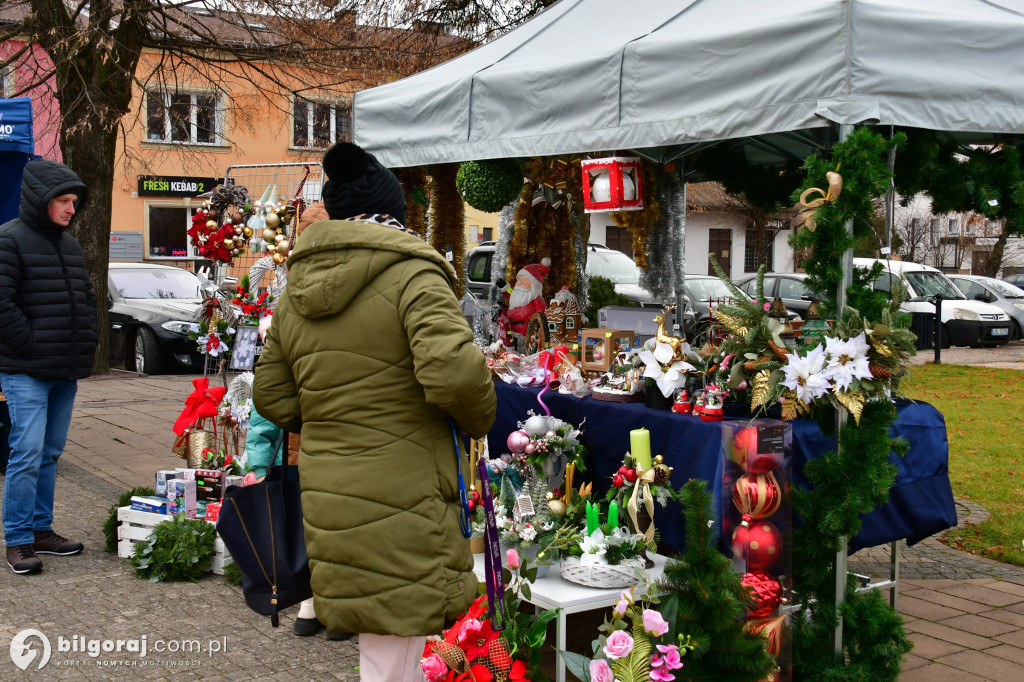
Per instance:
{"type": "Point", "coordinates": [318, 125]}
{"type": "Point", "coordinates": [953, 227]}
{"type": "Point", "coordinates": [185, 117]}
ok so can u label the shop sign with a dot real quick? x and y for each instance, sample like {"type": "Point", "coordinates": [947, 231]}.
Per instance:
{"type": "Point", "coordinates": [174, 185]}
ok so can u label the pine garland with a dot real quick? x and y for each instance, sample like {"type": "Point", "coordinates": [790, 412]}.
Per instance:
{"type": "Point", "coordinates": [414, 185]}
{"type": "Point", "coordinates": [448, 219]}
{"type": "Point", "coordinates": [710, 602]}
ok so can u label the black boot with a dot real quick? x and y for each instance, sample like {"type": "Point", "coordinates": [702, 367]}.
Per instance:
{"type": "Point", "coordinates": [307, 627]}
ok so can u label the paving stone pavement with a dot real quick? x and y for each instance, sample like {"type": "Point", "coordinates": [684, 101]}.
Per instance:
{"type": "Point", "coordinates": [965, 614]}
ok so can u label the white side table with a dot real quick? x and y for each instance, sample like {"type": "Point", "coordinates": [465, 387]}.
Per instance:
{"type": "Point", "coordinates": [553, 592]}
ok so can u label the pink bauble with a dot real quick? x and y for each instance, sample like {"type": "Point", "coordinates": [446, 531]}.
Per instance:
{"type": "Point", "coordinates": [550, 434]}
{"type": "Point", "coordinates": [530, 448]}
{"type": "Point", "coordinates": [517, 441]}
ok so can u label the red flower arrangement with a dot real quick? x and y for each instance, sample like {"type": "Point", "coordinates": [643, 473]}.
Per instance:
{"type": "Point", "coordinates": [209, 237]}
{"type": "Point", "coordinates": [471, 651]}
{"type": "Point", "coordinates": [252, 309]}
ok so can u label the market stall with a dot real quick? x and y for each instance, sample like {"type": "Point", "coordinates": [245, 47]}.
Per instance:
{"type": "Point", "coordinates": [920, 504]}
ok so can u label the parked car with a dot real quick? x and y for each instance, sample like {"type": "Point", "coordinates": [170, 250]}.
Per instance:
{"type": "Point", "coordinates": [601, 261]}
{"type": "Point", "coordinates": [965, 322]}
{"type": "Point", "coordinates": [789, 286]}
{"type": "Point", "coordinates": [152, 308]}
{"type": "Point", "coordinates": [997, 292]}
{"type": "Point", "coordinates": [1016, 279]}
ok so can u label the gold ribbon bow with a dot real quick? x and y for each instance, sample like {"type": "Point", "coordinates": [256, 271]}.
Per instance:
{"type": "Point", "coordinates": [645, 478]}
{"type": "Point", "coordinates": [810, 208]}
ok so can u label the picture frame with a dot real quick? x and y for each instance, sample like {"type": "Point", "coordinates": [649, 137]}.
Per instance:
{"type": "Point", "coordinates": [245, 351]}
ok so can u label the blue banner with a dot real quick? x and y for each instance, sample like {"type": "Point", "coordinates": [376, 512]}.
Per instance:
{"type": "Point", "coordinates": [16, 125]}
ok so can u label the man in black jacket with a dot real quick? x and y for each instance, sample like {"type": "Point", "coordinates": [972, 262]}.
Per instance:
{"type": "Point", "coordinates": [48, 335]}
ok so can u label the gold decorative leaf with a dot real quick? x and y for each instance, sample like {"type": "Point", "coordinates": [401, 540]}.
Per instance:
{"type": "Point", "coordinates": [853, 402]}
{"type": "Point", "coordinates": [789, 410]}
{"type": "Point", "coordinates": [760, 386]}
{"type": "Point", "coordinates": [879, 346]}
{"type": "Point", "coordinates": [730, 323]}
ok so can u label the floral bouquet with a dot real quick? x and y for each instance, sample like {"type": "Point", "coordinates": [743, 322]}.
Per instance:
{"type": "Point", "coordinates": [251, 309]}
{"type": "Point", "coordinates": [635, 644]}
{"type": "Point", "coordinates": [210, 336]}
{"type": "Point", "coordinates": [473, 650]}
{"type": "Point", "coordinates": [221, 460]}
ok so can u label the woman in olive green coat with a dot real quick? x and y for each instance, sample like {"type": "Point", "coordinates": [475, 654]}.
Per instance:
{"type": "Point", "coordinates": [369, 356]}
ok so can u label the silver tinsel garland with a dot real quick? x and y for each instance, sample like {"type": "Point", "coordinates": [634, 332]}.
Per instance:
{"type": "Point", "coordinates": [666, 239]}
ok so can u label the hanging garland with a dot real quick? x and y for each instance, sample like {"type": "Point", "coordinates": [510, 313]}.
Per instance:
{"type": "Point", "coordinates": [490, 184]}
{"type": "Point", "coordinates": [447, 216]}
{"type": "Point", "coordinates": [543, 231]}
{"type": "Point", "coordinates": [414, 182]}
{"type": "Point", "coordinates": [664, 237]}
{"type": "Point", "coordinates": [639, 222]}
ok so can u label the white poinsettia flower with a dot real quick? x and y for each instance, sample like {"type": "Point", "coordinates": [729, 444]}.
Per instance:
{"type": "Point", "coordinates": [594, 548]}
{"type": "Point", "coordinates": [659, 365]}
{"type": "Point", "coordinates": [847, 360]}
{"type": "Point", "coordinates": [805, 377]}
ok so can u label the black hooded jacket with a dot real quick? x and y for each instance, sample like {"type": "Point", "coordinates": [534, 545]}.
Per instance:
{"type": "Point", "coordinates": [48, 325]}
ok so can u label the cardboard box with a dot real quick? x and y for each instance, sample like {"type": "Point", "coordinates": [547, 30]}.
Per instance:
{"type": "Point", "coordinates": [208, 485]}
{"type": "Point", "coordinates": [181, 497]}
{"type": "Point", "coordinates": [161, 480]}
{"type": "Point", "coordinates": [149, 503]}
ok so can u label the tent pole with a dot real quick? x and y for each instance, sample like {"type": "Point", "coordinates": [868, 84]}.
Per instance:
{"type": "Point", "coordinates": [679, 262]}
{"type": "Point", "coordinates": [840, 565]}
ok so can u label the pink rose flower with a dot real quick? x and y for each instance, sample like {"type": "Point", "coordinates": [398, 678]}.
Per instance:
{"type": "Point", "coordinates": [470, 628]}
{"type": "Point", "coordinates": [767, 305]}
{"type": "Point", "coordinates": [512, 558]}
{"type": "Point", "coordinates": [600, 671]}
{"type": "Point", "coordinates": [654, 624]}
{"type": "Point", "coordinates": [249, 479]}
{"type": "Point", "coordinates": [670, 656]}
{"type": "Point", "coordinates": [434, 669]}
{"type": "Point", "coordinates": [618, 645]}
{"type": "Point", "coordinates": [620, 609]}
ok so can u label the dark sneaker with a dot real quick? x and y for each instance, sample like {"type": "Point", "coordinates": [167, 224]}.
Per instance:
{"type": "Point", "coordinates": [48, 542]}
{"type": "Point", "coordinates": [339, 636]}
{"type": "Point", "coordinates": [306, 627]}
{"type": "Point", "coordinates": [22, 559]}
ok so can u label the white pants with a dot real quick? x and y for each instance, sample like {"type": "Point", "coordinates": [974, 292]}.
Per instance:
{"type": "Point", "coordinates": [387, 658]}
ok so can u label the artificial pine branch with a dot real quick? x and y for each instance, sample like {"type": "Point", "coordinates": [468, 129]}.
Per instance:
{"type": "Point", "coordinates": [710, 601]}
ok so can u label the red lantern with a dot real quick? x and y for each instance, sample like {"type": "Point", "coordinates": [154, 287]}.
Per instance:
{"type": "Point", "coordinates": [757, 496]}
{"type": "Point", "coordinates": [759, 545]}
{"type": "Point", "coordinates": [767, 593]}
{"type": "Point", "coordinates": [612, 184]}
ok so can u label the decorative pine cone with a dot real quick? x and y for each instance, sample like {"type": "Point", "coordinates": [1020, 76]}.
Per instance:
{"type": "Point", "coordinates": [779, 350]}
{"type": "Point", "coordinates": [661, 473]}
{"type": "Point", "coordinates": [878, 371]}
{"type": "Point", "coordinates": [750, 365]}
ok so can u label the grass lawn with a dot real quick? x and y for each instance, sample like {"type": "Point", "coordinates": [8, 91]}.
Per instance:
{"type": "Point", "coordinates": [984, 411]}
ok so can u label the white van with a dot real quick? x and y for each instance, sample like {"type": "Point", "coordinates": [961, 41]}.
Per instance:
{"type": "Point", "coordinates": [965, 322]}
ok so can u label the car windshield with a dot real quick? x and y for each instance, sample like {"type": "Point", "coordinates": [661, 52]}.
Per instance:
{"type": "Point", "coordinates": [613, 265]}
{"type": "Point", "coordinates": [707, 289]}
{"type": "Point", "coordinates": [164, 284]}
{"type": "Point", "coordinates": [1002, 288]}
{"type": "Point", "coordinates": [933, 284]}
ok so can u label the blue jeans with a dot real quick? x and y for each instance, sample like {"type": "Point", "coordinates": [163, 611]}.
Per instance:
{"type": "Point", "coordinates": [40, 417]}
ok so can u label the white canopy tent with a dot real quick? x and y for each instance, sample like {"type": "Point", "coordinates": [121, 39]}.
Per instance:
{"type": "Point", "coordinates": [663, 76]}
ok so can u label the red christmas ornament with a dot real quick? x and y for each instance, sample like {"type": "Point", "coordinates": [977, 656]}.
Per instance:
{"type": "Point", "coordinates": [623, 469]}
{"type": "Point", "coordinates": [757, 496]}
{"type": "Point", "coordinates": [759, 545]}
{"type": "Point", "coordinates": [618, 481]}
{"type": "Point", "coordinates": [631, 475]}
{"type": "Point", "coordinates": [744, 453]}
{"type": "Point", "coordinates": [767, 593]}
{"type": "Point", "coordinates": [471, 504]}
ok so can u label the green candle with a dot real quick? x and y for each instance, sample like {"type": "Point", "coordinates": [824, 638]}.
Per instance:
{"type": "Point", "coordinates": [640, 446]}
{"type": "Point", "coordinates": [590, 519]}
{"type": "Point", "coordinates": [613, 515]}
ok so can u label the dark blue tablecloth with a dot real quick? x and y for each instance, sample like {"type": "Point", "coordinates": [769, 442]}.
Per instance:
{"type": "Point", "coordinates": [920, 503]}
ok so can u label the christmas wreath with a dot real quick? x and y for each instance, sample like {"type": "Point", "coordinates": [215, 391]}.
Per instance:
{"type": "Point", "coordinates": [219, 231]}
{"type": "Point", "coordinates": [491, 185]}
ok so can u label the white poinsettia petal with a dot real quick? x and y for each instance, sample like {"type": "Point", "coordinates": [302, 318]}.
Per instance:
{"type": "Point", "coordinates": [647, 357]}
{"type": "Point", "coordinates": [652, 371]}
{"type": "Point", "coordinates": [666, 385]}
{"type": "Point", "coordinates": [664, 353]}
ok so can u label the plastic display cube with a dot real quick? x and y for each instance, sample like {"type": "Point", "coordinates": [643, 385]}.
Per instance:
{"type": "Point", "coordinates": [598, 347]}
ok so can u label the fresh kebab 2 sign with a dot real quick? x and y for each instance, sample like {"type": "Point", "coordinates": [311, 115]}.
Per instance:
{"type": "Point", "coordinates": [174, 186]}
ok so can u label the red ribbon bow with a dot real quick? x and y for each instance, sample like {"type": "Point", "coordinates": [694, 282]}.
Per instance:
{"type": "Point", "coordinates": [202, 403]}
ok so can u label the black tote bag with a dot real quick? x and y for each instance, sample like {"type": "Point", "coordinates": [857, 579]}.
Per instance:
{"type": "Point", "coordinates": [261, 526]}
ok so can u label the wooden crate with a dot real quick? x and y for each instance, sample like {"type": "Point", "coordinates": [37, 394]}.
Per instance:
{"type": "Point", "coordinates": [138, 525]}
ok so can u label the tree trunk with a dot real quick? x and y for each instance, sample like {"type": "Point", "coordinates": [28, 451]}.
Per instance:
{"type": "Point", "coordinates": [89, 149]}
{"type": "Point", "coordinates": [995, 259]}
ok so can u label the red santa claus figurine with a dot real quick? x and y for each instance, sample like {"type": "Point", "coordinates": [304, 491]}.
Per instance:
{"type": "Point", "coordinates": [527, 297]}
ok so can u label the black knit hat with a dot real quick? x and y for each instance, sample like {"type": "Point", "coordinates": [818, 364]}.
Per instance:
{"type": "Point", "coordinates": [358, 183]}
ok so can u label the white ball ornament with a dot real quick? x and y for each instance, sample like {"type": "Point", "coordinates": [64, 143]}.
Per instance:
{"type": "Point", "coordinates": [536, 425]}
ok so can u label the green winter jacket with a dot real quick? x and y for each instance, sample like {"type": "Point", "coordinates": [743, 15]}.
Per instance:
{"type": "Point", "coordinates": [368, 355]}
